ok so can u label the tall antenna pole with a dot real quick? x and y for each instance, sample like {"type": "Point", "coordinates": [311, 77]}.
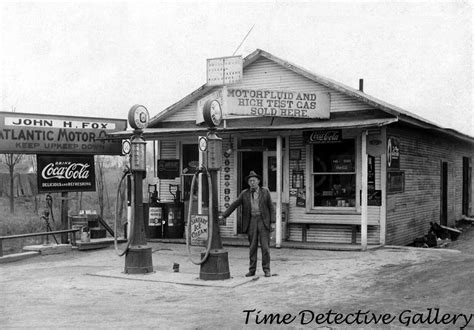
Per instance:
{"type": "Point", "coordinates": [243, 39]}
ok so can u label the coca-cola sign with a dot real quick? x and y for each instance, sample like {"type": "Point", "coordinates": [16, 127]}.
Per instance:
{"type": "Point", "coordinates": [65, 173]}
{"type": "Point", "coordinates": [323, 136]}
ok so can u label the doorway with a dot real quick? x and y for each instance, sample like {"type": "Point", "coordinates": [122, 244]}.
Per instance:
{"type": "Point", "coordinates": [444, 194]}
{"type": "Point", "coordinates": [258, 155]}
{"type": "Point", "coordinates": [248, 161]}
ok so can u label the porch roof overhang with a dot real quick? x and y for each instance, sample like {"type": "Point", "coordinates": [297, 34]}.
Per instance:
{"type": "Point", "coordinates": [153, 133]}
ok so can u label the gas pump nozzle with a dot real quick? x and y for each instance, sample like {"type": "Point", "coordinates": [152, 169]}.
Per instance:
{"type": "Point", "coordinates": [176, 194]}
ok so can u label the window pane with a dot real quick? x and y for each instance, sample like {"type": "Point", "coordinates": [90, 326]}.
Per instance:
{"type": "Point", "coordinates": [190, 158]}
{"type": "Point", "coordinates": [337, 157]}
{"type": "Point", "coordinates": [334, 190]}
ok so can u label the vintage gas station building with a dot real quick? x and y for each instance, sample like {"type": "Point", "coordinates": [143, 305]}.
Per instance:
{"type": "Point", "coordinates": [342, 166]}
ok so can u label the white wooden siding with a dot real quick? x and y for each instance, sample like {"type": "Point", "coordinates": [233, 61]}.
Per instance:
{"type": "Point", "coordinates": [168, 150]}
{"type": "Point", "coordinates": [330, 234]}
{"type": "Point", "coordinates": [268, 75]}
{"type": "Point", "coordinates": [409, 214]}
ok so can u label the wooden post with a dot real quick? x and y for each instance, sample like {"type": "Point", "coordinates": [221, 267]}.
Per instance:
{"type": "Point", "coordinates": [364, 208]}
{"type": "Point", "coordinates": [278, 225]}
{"type": "Point", "coordinates": [64, 216]}
{"type": "Point", "coordinates": [383, 188]}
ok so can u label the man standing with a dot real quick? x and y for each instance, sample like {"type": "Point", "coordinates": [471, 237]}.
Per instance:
{"type": "Point", "coordinates": [258, 213]}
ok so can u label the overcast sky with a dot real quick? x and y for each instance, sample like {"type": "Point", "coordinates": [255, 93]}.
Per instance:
{"type": "Point", "coordinates": [99, 59]}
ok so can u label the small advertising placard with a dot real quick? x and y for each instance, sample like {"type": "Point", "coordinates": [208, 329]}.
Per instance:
{"type": "Point", "coordinates": [199, 228]}
{"type": "Point", "coordinates": [168, 168]}
{"type": "Point", "coordinates": [301, 198]}
{"type": "Point", "coordinates": [155, 216]}
{"type": "Point", "coordinates": [65, 173]}
{"type": "Point", "coordinates": [374, 198]}
{"type": "Point", "coordinates": [323, 136]}
{"type": "Point", "coordinates": [395, 182]}
{"type": "Point", "coordinates": [375, 146]}
{"type": "Point", "coordinates": [393, 153]}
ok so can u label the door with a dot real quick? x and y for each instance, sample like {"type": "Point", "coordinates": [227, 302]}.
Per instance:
{"type": "Point", "coordinates": [444, 194]}
{"type": "Point", "coordinates": [466, 186]}
{"type": "Point", "coordinates": [248, 161]}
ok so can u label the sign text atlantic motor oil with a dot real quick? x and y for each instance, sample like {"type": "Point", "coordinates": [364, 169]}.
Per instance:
{"type": "Point", "coordinates": [51, 134]}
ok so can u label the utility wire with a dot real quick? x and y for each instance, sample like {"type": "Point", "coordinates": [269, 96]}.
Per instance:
{"type": "Point", "coordinates": [243, 40]}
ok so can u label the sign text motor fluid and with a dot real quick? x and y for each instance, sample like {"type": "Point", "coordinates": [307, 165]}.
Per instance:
{"type": "Point", "coordinates": [249, 102]}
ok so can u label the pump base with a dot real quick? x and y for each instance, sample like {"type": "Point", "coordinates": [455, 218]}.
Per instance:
{"type": "Point", "coordinates": [216, 267]}
{"type": "Point", "coordinates": [138, 260]}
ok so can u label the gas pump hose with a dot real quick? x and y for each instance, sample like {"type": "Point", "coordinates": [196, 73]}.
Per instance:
{"type": "Point", "coordinates": [121, 253]}
{"type": "Point", "coordinates": [210, 222]}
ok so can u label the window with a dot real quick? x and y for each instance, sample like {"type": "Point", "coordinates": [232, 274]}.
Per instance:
{"type": "Point", "coordinates": [334, 174]}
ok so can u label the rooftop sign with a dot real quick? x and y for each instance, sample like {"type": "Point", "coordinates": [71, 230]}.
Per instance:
{"type": "Point", "coordinates": [251, 102]}
{"type": "Point", "coordinates": [267, 103]}
{"type": "Point", "coordinates": [26, 133]}
{"type": "Point", "coordinates": [224, 70]}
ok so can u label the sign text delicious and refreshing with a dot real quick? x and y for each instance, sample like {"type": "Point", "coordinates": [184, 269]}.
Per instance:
{"type": "Point", "coordinates": [65, 173]}
{"type": "Point", "coordinates": [51, 134]}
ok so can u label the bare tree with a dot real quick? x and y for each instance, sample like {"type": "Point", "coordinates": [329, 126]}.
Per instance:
{"type": "Point", "coordinates": [11, 160]}
{"type": "Point", "coordinates": [35, 189]}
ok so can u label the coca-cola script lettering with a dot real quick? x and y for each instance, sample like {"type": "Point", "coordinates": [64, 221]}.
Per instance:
{"type": "Point", "coordinates": [69, 171]}
{"type": "Point", "coordinates": [323, 137]}
{"type": "Point", "coordinates": [66, 173]}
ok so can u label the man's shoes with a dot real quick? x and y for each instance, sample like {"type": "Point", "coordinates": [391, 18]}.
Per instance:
{"type": "Point", "coordinates": [268, 274]}
{"type": "Point", "coordinates": [250, 274]}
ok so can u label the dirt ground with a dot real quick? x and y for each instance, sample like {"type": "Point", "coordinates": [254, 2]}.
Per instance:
{"type": "Point", "coordinates": [405, 287]}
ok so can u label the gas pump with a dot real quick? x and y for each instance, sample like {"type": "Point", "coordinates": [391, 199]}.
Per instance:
{"type": "Point", "coordinates": [138, 257]}
{"type": "Point", "coordinates": [214, 262]}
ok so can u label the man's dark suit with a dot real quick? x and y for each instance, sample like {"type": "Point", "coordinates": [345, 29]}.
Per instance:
{"type": "Point", "coordinates": [255, 227]}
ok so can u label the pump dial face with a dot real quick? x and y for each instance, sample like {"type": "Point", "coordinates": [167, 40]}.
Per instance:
{"type": "Point", "coordinates": [202, 143]}
{"type": "Point", "coordinates": [138, 117]}
{"type": "Point", "coordinates": [212, 113]}
{"type": "Point", "coordinates": [126, 146]}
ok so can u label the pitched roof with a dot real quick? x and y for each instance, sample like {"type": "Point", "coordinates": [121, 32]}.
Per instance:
{"type": "Point", "coordinates": [401, 114]}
